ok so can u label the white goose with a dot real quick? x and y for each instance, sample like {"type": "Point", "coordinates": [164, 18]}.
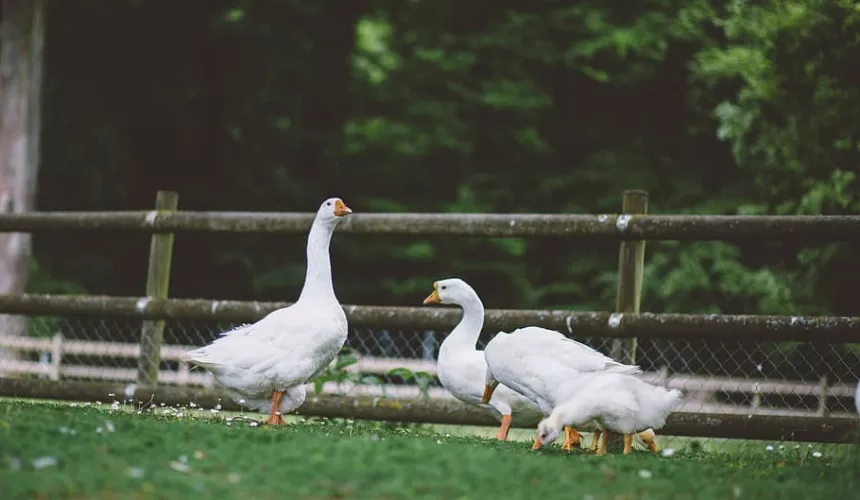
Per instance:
{"type": "Point", "coordinates": [537, 363]}
{"type": "Point", "coordinates": [615, 401]}
{"type": "Point", "coordinates": [461, 366]}
{"type": "Point", "coordinates": [267, 363]}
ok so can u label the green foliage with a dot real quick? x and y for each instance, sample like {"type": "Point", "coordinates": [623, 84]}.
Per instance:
{"type": "Point", "coordinates": [714, 107]}
{"type": "Point", "coordinates": [41, 280]}
{"type": "Point", "coordinates": [421, 378]}
{"type": "Point", "coordinates": [337, 373]}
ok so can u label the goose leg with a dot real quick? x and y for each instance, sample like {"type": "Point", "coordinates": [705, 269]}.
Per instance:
{"type": "Point", "coordinates": [537, 444]}
{"type": "Point", "coordinates": [602, 450]}
{"type": "Point", "coordinates": [628, 443]}
{"type": "Point", "coordinates": [571, 438]}
{"type": "Point", "coordinates": [595, 437]}
{"type": "Point", "coordinates": [502, 435]}
{"type": "Point", "coordinates": [275, 417]}
{"type": "Point", "coordinates": [650, 440]}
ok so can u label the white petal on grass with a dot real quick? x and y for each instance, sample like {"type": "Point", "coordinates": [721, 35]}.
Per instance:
{"type": "Point", "coordinates": [42, 462]}
{"type": "Point", "coordinates": [667, 452]}
{"type": "Point", "coordinates": [768, 448]}
{"type": "Point", "coordinates": [816, 454]}
{"type": "Point", "coordinates": [233, 477]}
{"type": "Point", "coordinates": [109, 426]}
{"type": "Point", "coordinates": [135, 472]}
{"type": "Point", "coordinates": [254, 424]}
{"type": "Point", "coordinates": [737, 492]}
{"type": "Point", "coordinates": [183, 459]}
{"type": "Point", "coordinates": [179, 466]}
{"type": "Point", "coordinates": [645, 474]}
{"type": "Point", "coordinates": [192, 404]}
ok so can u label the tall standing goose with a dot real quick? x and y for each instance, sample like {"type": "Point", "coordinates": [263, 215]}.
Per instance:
{"type": "Point", "coordinates": [537, 362]}
{"type": "Point", "coordinates": [267, 363]}
{"type": "Point", "coordinates": [461, 366]}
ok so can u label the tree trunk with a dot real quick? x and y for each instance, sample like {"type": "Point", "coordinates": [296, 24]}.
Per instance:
{"type": "Point", "coordinates": [22, 30]}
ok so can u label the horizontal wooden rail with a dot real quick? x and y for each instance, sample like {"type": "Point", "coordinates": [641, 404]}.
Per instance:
{"type": "Point", "coordinates": [615, 226]}
{"type": "Point", "coordinates": [686, 327]}
{"type": "Point", "coordinates": [818, 429]}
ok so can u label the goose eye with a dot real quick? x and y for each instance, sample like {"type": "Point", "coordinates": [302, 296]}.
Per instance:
{"type": "Point", "coordinates": [328, 203]}
{"type": "Point", "coordinates": [444, 287]}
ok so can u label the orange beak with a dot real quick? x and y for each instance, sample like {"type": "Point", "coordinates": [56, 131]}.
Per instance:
{"type": "Point", "coordinates": [537, 444]}
{"type": "Point", "coordinates": [340, 208]}
{"type": "Point", "coordinates": [488, 394]}
{"type": "Point", "coordinates": [433, 298]}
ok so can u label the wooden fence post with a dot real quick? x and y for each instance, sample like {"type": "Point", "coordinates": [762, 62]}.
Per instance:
{"type": "Point", "coordinates": [157, 284]}
{"type": "Point", "coordinates": [631, 262]}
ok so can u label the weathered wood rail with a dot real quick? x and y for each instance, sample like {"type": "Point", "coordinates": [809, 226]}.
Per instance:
{"type": "Point", "coordinates": [604, 324]}
{"type": "Point", "coordinates": [818, 429]}
{"type": "Point", "coordinates": [612, 226]}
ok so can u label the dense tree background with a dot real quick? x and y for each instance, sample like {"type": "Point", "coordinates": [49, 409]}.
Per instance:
{"type": "Point", "coordinates": [715, 107]}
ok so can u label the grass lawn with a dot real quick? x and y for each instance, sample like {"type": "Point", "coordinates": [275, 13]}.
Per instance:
{"type": "Point", "coordinates": [60, 451]}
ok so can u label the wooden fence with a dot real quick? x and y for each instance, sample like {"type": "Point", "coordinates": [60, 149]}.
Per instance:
{"type": "Point", "coordinates": [631, 228]}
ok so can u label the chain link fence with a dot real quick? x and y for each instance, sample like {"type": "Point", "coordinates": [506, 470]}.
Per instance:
{"type": "Point", "coordinates": [747, 378]}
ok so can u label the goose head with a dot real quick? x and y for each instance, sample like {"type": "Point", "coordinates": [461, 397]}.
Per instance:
{"type": "Point", "coordinates": [332, 211]}
{"type": "Point", "coordinates": [451, 291]}
{"type": "Point", "coordinates": [548, 431]}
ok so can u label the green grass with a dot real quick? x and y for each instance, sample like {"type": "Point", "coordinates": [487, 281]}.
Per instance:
{"type": "Point", "coordinates": [162, 456]}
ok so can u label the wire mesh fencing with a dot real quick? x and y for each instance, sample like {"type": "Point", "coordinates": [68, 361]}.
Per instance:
{"type": "Point", "coordinates": [720, 377]}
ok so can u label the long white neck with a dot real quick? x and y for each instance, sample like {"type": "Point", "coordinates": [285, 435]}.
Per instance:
{"type": "Point", "coordinates": [318, 275]}
{"type": "Point", "coordinates": [467, 331]}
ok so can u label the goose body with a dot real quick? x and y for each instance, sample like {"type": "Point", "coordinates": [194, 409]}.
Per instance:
{"type": "Point", "coordinates": [615, 401]}
{"type": "Point", "coordinates": [538, 363]}
{"type": "Point", "coordinates": [265, 365]}
{"type": "Point", "coordinates": [461, 366]}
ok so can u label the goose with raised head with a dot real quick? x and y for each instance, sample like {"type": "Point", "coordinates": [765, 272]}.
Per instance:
{"type": "Point", "coordinates": [616, 402]}
{"type": "Point", "coordinates": [537, 362]}
{"type": "Point", "coordinates": [461, 366]}
{"type": "Point", "coordinates": [267, 363]}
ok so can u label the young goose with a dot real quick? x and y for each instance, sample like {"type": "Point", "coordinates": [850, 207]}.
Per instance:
{"type": "Point", "coordinates": [615, 401]}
